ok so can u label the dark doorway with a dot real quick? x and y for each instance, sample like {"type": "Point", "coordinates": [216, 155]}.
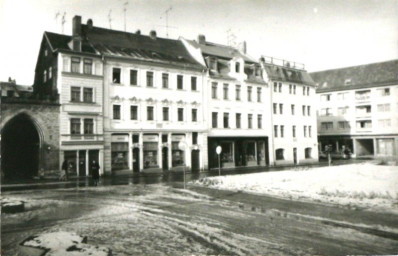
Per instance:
{"type": "Point", "coordinates": [82, 163]}
{"type": "Point", "coordinates": [295, 155]}
{"type": "Point", "coordinates": [365, 147]}
{"type": "Point", "coordinates": [195, 161]}
{"type": "Point", "coordinates": [93, 155]}
{"type": "Point", "coordinates": [165, 159]}
{"type": "Point", "coordinates": [136, 160]}
{"type": "Point", "coordinates": [20, 147]}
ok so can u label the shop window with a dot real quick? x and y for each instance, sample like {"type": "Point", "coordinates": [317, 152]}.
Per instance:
{"type": "Point", "coordinates": [75, 126]}
{"type": "Point", "coordinates": [75, 94]}
{"type": "Point", "coordinates": [116, 74]}
{"type": "Point", "coordinates": [88, 95]}
{"type": "Point", "coordinates": [251, 152]}
{"type": "Point", "coordinates": [88, 126]}
{"type": "Point", "coordinates": [119, 155]}
{"type": "Point", "coordinates": [308, 152]}
{"type": "Point", "coordinates": [165, 114]}
{"type": "Point", "coordinates": [133, 77]}
{"type": "Point", "coordinates": [75, 67]}
{"type": "Point", "coordinates": [237, 91]}
{"type": "Point", "coordinates": [194, 83]}
{"type": "Point", "coordinates": [180, 114]}
{"type": "Point", "coordinates": [177, 155]}
{"type": "Point", "coordinates": [238, 120]}
{"type": "Point", "coordinates": [133, 112]}
{"type": "Point", "coordinates": [88, 66]}
{"type": "Point", "coordinates": [226, 120]}
{"type": "Point", "coordinates": [150, 150]}
{"type": "Point", "coordinates": [116, 112]}
{"type": "Point", "coordinates": [280, 154]}
{"type": "Point", "coordinates": [227, 153]}
{"type": "Point", "coordinates": [194, 115]}
{"type": "Point", "coordinates": [214, 119]}
{"type": "Point", "coordinates": [180, 85]}
{"type": "Point", "coordinates": [149, 79]}
{"type": "Point", "coordinates": [149, 113]}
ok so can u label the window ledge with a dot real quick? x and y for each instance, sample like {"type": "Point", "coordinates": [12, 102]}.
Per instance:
{"type": "Point", "coordinates": [81, 74]}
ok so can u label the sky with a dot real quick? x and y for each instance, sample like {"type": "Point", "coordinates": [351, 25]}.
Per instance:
{"type": "Point", "coordinates": [321, 34]}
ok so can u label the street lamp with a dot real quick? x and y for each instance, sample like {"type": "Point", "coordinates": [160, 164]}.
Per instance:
{"type": "Point", "coordinates": [218, 151]}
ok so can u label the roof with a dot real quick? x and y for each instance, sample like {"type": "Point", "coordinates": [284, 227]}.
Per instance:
{"type": "Point", "coordinates": [222, 51]}
{"type": "Point", "coordinates": [287, 74]}
{"type": "Point", "coordinates": [357, 77]}
{"type": "Point", "coordinates": [123, 44]}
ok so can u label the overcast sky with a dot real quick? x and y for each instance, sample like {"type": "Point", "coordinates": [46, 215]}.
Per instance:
{"type": "Point", "coordinates": [322, 34]}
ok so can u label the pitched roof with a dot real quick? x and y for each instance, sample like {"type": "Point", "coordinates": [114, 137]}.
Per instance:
{"type": "Point", "coordinates": [287, 74]}
{"type": "Point", "coordinates": [356, 77]}
{"type": "Point", "coordinates": [122, 44]}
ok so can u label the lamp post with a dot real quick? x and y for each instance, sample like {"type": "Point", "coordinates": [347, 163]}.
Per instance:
{"type": "Point", "coordinates": [218, 151]}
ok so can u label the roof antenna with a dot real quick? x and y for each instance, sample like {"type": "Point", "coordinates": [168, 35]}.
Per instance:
{"type": "Point", "coordinates": [167, 20]}
{"type": "Point", "coordinates": [231, 38]}
{"type": "Point", "coordinates": [124, 10]}
{"type": "Point", "coordinates": [63, 21]}
{"type": "Point", "coordinates": [110, 18]}
{"type": "Point", "coordinates": [56, 20]}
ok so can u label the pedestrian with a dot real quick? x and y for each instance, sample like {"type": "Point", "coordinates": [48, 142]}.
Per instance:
{"type": "Point", "coordinates": [95, 172]}
{"type": "Point", "coordinates": [64, 170]}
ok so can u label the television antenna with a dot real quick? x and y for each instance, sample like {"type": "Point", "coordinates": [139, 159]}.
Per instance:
{"type": "Point", "coordinates": [110, 18]}
{"type": "Point", "coordinates": [63, 22]}
{"type": "Point", "coordinates": [167, 20]}
{"type": "Point", "coordinates": [125, 10]}
{"type": "Point", "coordinates": [231, 38]}
{"type": "Point", "coordinates": [56, 20]}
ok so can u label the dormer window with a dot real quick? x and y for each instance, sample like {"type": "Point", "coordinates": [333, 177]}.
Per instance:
{"type": "Point", "coordinates": [212, 63]}
{"type": "Point", "coordinates": [237, 67]}
{"type": "Point", "coordinates": [347, 81]}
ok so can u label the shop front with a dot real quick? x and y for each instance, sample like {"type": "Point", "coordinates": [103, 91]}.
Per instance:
{"type": "Point", "coordinates": [177, 154]}
{"type": "Point", "coordinates": [78, 161]}
{"type": "Point", "coordinates": [120, 151]}
{"type": "Point", "coordinates": [151, 151]}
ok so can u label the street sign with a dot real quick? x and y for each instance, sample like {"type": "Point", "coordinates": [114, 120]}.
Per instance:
{"type": "Point", "coordinates": [218, 150]}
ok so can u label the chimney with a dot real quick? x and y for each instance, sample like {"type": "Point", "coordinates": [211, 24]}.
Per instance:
{"type": "Point", "coordinates": [77, 33]}
{"type": "Point", "coordinates": [90, 24]}
{"type": "Point", "coordinates": [201, 39]}
{"type": "Point", "coordinates": [138, 32]}
{"type": "Point", "coordinates": [152, 34]}
{"type": "Point", "coordinates": [244, 47]}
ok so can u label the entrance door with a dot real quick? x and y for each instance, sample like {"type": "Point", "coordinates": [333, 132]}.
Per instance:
{"type": "Point", "coordinates": [195, 160]}
{"type": "Point", "coordinates": [295, 155]}
{"type": "Point", "coordinates": [136, 159]}
{"type": "Point", "coordinates": [165, 158]}
{"type": "Point", "coordinates": [82, 163]}
{"type": "Point", "coordinates": [93, 155]}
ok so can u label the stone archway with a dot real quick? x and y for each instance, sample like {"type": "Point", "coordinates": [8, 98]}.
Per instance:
{"type": "Point", "coordinates": [20, 148]}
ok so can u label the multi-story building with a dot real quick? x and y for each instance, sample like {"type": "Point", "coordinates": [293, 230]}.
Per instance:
{"type": "Point", "coordinates": [236, 104]}
{"type": "Point", "coordinates": [292, 107]}
{"type": "Point", "coordinates": [358, 108]}
{"type": "Point", "coordinates": [70, 70]}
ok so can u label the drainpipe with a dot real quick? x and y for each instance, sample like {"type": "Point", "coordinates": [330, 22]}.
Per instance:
{"type": "Point", "coordinates": [272, 120]}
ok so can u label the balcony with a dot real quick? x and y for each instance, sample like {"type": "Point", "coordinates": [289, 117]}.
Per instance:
{"type": "Point", "coordinates": [363, 111]}
{"type": "Point", "coordinates": [362, 95]}
{"type": "Point", "coordinates": [364, 126]}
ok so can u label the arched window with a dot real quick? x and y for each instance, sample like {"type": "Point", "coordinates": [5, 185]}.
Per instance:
{"type": "Point", "coordinates": [280, 154]}
{"type": "Point", "coordinates": [308, 153]}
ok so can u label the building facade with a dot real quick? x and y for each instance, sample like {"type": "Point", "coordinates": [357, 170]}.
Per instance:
{"type": "Point", "coordinates": [292, 107]}
{"type": "Point", "coordinates": [358, 109]}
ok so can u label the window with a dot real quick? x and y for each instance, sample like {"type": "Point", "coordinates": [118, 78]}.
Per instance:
{"type": "Point", "coordinates": [307, 152]}
{"type": "Point", "coordinates": [305, 131]}
{"type": "Point", "coordinates": [275, 87]}
{"type": "Point", "coordinates": [309, 131]}
{"type": "Point", "coordinates": [165, 114]}
{"type": "Point", "coordinates": [250, 121]}
{"type": "Point", "coordinates": [308, 110]}
{"type": "Point", "coordinates": [342, 111]}
{"type": "Point", "coordinates": [45, 76]}
{"type": "Point", "coordinates": [326, 112]}
{"type": "Point", "coordinates": [214, 90]}
{"type": "Point", "coordinates": [280, 87]}
{"type": "Point", "coordinates": [303, 110]}
{"type": "Point", "coordinates": [149, 113]}
{"type": "Point", "coordinates": [88, 126]}
{"type": "Point", "coordinates": [194, 138]}
{"type": "Point", "coordinates": [149, 79]}
{"type": "Point", "coordinates": [364, 110]}
{"type": "Point", "coordinates": [194, 115]}
{"type": "Point", "coordinates": [133, 112]}
{"type": "Point", "coordinates": [45, 52]}
{"type": "Point", "coordinates": [365, 124]}
{"type": "Point", "coordinates": [214, 119]}
{"type": "Point", "coordinates": [344, 125]}
{"type": "Point", "coordinates": [225, 91]}
{"type": "Point", "coordinates": [87, 67]}
{"type": "Point", "coordinates": [308, 91]}
{"type": "Point", "coordinates": [50, 72]}
{"type": "Point", "coordinates": [88, 95]}
{"type": "Point", "coordinates": [383, 107]}
{"type": "Point", "coordinates": [362, 95]}
{"type": "Point", "coordinates": [281, 109]}
{"type": "Point", "coordinates": [280, 154]}
{"type": "Point", "coordinates": [249, 93]}
{"type": "Point", "coordinates": [226, 120]}
{"type": "Point", "coordinates": [326, 126]}
{"type": "Point", "coordinates": [194, 83]}
{"type": "Point", "coordinates": [290, 88]}
{"type": "Point", "coordinates": [275, 107]}
{"type": "Point", "coordinates": [116, 74]}
{"type": "Point", "coordinates": [116, 112]}
{"type": "Point", "coordinates": [325, 97]}
{"type": "Point", "coordinates": [238, 120]}
{"type": "Point", "coordinates": [259, 121]}
{"type": "Point", "coordinates": [165, 80]}
{"type": "Point", "coordinates": [180, 114]}
{"type": "Point", "coordinates": [133, 77]}
{"type": "Point", "coordinates": [237, 90]}
{"type": "Point", "coordinates": [303, 90]}
{"type": "Point", "coordinates": [294, 89]}
{"type": "Point", "coordinates": [75, 67]}
{"type": "Point", "coordinates": [292, 107]}
{"type": "Point", "coordinates": [384, 122]}
{"type": "Point", "coordinates": [180, 85]}
{"type": "Point", "coordinates": [282, 131]}
{"type": "Point", "coordinates": [275, 131]}
{"type": "Point", "coordinates": [75, 126]}
{"type": "Point", "coordinates": [342, 96]}
{"type": "Point", "coordinates": [294, 131]}
{"type": "Point", "coordinates": [237, 67]}
{"type": "Point", "coordinates": [258, 94]}
{"type": "Point", "coordinates": [75, 94]}
{"type": "Point", "coordinates": [384, 92]}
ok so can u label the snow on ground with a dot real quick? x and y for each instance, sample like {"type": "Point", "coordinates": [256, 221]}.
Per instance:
{"type": "Point", "coordinates": [358, 185]}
